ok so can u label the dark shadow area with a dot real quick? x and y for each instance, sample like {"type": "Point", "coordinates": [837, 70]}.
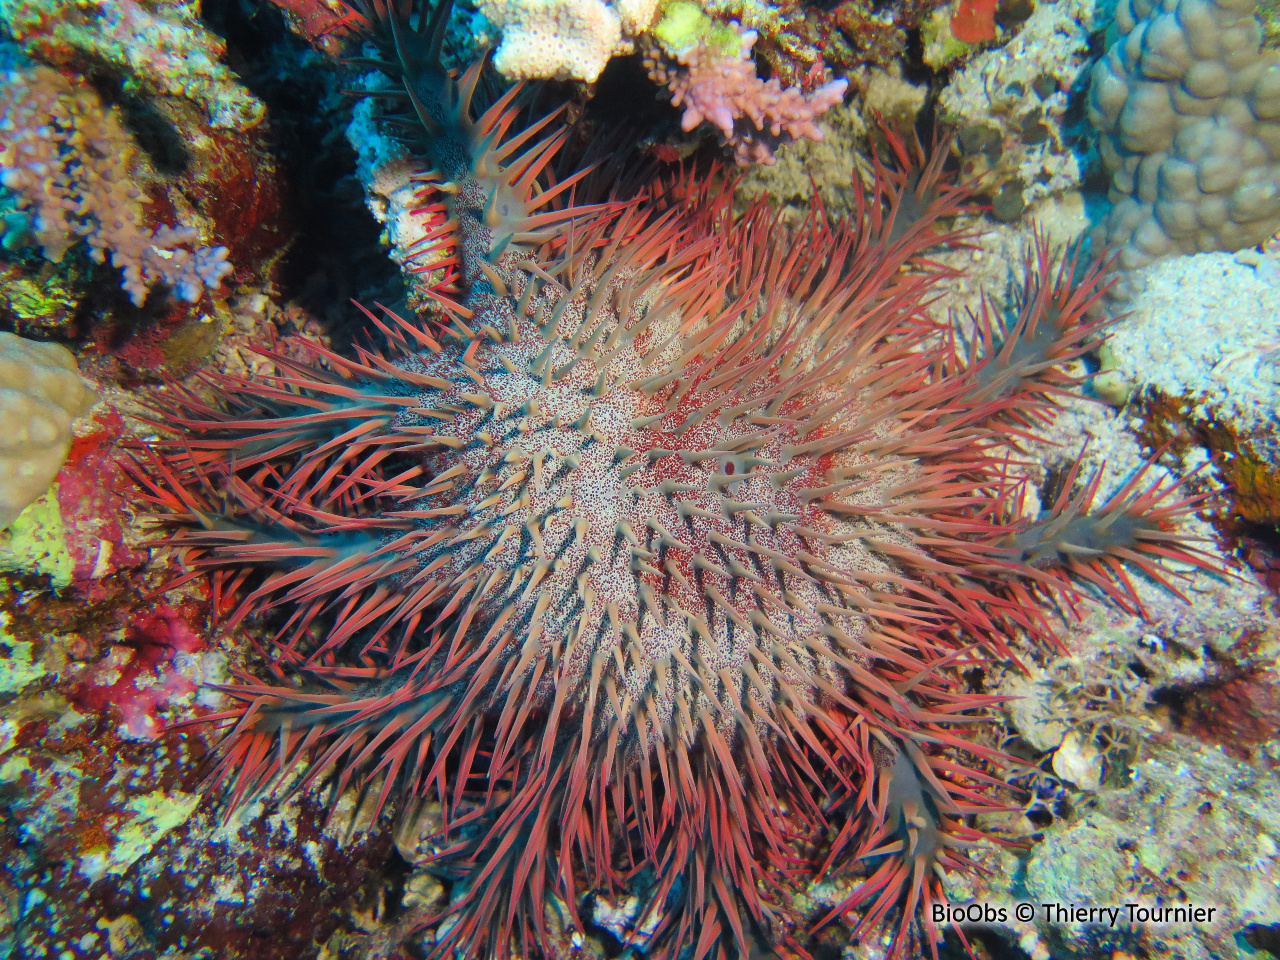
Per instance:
{"type": "Point", "coordinates": [915, 70]}
{"type": "Point", "coordinates": [334, 254]}
{"type": "Point", "coordinates": [1265, 938]}
{"type": "Point", "coordinates": [626, 96]}
{"type": "Point", "coordinates": [984, 942]}
{"type": "Point", "coordinates": [152, 131]}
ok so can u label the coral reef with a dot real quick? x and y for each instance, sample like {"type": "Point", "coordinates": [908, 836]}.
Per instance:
{"type": "Point", "coordinates": [1188, 107]}
{"type": "Point", "coordinates": [41, 392]}
{"type": "Point", "coordinates": [104, 835]}
{"type": "Point", "coordinates": [652, 557]}
{"type": "Point", "coordinates": [1204, 847]}
{"type": "Point", "coordinates": [1149, 747]}
{"type": "Point", "coordinates": [68, 163]}
{"type": "Point", "coordinates": [800, 39]}
{"type": "Point", "coordinates": [42, 304]}
{"type": "Point", "coordinates": [652, 578]}
{"type": "Point", "coordinates": [78, 534]}
{"type": "Point", "coordinates": [131, 862]}
{"type": "Point", "coordinates": [716, 82]}
{"type": "Point", "coordinates": [326, 26]}
{"type": "Point", "coordinates": [386, 170]}
{"type": "Point", "coordinates": [187, 150]}
{"type": "Point", "coordinates": [1183, 337]}
{"type": "Point", "coordinates": [1203, 379]}
{"type": "Point", "coordinates": [833, 169]}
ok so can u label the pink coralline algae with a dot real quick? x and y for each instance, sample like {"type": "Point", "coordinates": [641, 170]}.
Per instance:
{"type": "Point", "coordinates": [68, 164]}
{"type": "Point", "coordinates": [93, 502]}
{"type": "Point", "coordinates": [141, 676]}
{"type": "Point", "coordinates": [753, 116]}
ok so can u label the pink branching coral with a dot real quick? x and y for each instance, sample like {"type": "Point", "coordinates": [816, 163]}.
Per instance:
{"type": "Point", "coordinates": [753, 116]}
{"type": "Point", "coordinates": [68, 164]}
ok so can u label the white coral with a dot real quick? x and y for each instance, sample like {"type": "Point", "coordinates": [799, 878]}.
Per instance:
{"type": "Point", "coordinates": [636, 15]}
{"type": "Point", "coordinates": [563, 39]}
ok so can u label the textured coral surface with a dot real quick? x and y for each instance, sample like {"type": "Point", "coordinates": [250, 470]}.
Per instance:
{"type": "Point", "coordinates": [69, 163]}
{"type": "Point", "coordinates": [1188, 105]}
{"type": "Point", "coordinates": [752, 115]}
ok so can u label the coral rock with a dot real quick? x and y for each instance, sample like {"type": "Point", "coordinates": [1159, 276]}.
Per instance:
{"type": "Point", "coordinates": [69, 163]}
{"type": "Point", "coordinates": [162, 46]}
{"type": "Point", "coordinates": [1008, 107]}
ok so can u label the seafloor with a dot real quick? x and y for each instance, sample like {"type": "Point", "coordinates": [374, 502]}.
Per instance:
{"type": "Point", "coordinates": [1150, 741]}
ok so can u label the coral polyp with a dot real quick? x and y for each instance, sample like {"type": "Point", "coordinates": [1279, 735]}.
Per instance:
{"type": "Point", "coordinates": [652, 557]}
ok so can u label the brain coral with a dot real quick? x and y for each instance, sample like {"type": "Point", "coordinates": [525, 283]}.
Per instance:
{"type": "Point", "coordinates": [651, 559]}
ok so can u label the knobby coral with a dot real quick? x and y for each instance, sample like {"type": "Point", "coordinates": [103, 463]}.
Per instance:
{"type": "Point", "coordinates": [69, 165]}
{"type": "Point", "coordinates": [41, 393]}
{"type": "Point", "coordinates": [653, 558]}
{"type": "Point", "coordinates": [1187, 105]}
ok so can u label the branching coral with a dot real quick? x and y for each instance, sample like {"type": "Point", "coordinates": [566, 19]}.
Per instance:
{"type": "Point", "coordinates": [754, 116]}
{"type": "Point", "coordinates": [68, 164]}
{"type": "Point", "coordinates": [653, 558]}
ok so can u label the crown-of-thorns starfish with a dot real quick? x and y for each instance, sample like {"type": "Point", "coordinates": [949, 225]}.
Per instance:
{"type": "Point", "coordinates": [653, 561]}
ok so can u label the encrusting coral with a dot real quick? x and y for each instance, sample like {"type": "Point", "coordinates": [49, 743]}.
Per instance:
{"type": "Point", "coordinates": [68, 163]}
{"type": "Point", "coordinates": [653, 557]}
